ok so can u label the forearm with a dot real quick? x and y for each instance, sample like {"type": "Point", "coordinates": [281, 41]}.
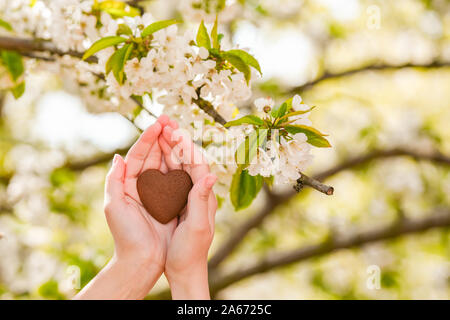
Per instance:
{"type": "Point", "coordinates": [192, 285]}
{"type": "Point", "coordinates": [121, 280]}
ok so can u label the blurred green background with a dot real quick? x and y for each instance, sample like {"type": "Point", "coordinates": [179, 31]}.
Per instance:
{"type": "Point", "coordinates": [379, 74]}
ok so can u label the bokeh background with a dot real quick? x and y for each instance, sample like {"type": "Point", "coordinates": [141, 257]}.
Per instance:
{"type": "Point", "coordinates": [378, 72]}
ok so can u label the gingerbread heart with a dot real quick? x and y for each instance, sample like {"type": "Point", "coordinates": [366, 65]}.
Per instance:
{"type": "Point", "coordinates": [164, 195]}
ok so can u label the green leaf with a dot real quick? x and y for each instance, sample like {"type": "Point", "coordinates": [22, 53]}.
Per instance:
{"type": "Point", "coordinates": [156, 26]}
{"type": "Point", "coordinates": [18, 90]}
{"type": "Point", "coordinates": [283, 109]}
{"type": "Point", "coordinates": [250, 119]}
{"type": "Point", "coordinates": [249, 147]}
{"type": "Point", "coordinates": [214, 36]}
{"type": "Point", "coordinates": [108, 4]}
{"type": "Point", "coordinates": [102, 44]}
{"type": "Point", "coordinates": [203, 37]}
{"type": "Point", "coordinates": [119, 13]}
{"type": "Point", "coordinates": [246, 57]}
{"type": "Point", "coordinates": [124, 29]}
{"type": "Point", "coordinates": [244, 188]}
{"type": "Point", "coordinates": [269, 181]}
{"type": "Point", "coordinates": [13, 63]}
{"type": "Point", "coordinates": [280, 111]}
{"type": "Point", "coordinates": [117, 61]}
{"type": "Point", "coordinates": [118, 9]}
{"type": "Point", "coordinates": [239, 64]}
{"type": "Point", "coordinates": [289, 104]}
{"type": "Point", "coordinates": [5, 25]}
{"type": "Point", "coordinates": [220, 37]}
{"type": "Point", "coordinates": [293, 114]}
{"type": "Point", "coordinates": [315, 137]}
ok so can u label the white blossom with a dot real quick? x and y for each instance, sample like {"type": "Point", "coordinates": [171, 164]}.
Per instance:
{"type": "Point", "coordinates": [261, 103]}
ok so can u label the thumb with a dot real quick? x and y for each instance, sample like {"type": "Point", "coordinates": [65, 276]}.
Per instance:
{"type": "Point", "coordinates": [114, 191]}
{"type": "Point", "coordinates": [198, 200]}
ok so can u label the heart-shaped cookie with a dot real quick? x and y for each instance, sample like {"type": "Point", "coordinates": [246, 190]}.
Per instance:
{"type": "Point", "coordinates": [164, 195]}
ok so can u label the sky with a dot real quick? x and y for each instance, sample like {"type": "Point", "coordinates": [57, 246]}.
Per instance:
{"type": "Point", "coordinates": [63, 122]}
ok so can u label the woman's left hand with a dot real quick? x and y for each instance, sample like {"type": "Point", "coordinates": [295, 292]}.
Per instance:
{"type": "Point", "coordinates": [187, 256]}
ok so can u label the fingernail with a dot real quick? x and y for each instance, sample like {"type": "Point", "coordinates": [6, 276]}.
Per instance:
{"type": "Point", "coordinates": [115, 159]}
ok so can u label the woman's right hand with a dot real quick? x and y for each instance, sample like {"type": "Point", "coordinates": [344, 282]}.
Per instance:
{"type": "Point", "coordinates": [138, 237]}
{"type": "Point", "coordinates": [140, 241]}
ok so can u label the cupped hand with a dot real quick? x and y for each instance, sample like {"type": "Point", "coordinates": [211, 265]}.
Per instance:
{"type": "Point", "coordinates": [189, 245]}
{"type": "Point", "coordinates": [143, 246]}
{"type": "Point", "coordinates": [137, 235]}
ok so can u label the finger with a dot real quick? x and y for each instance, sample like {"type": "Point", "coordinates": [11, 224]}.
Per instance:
{"type": "Point", "coordinates": [172, 148]}
{"type": "Point", "coordinates": [173, 124]}
{"type": "Point", "coordinates": [164, 120]}
{"type": "Point", "coordinates": [185, 151]}
{"type": "Point", "coordinates": [170, 159]}
{"type": "Point", "coordinates": [114, 188]}
{"type": "Point", "coordinates": [198, 202]}
{"type": "Point", "coordinates": [139, 151]}
{"type": "Point", "coordinates": [168, 135]}
{"type": "Point", "coordinates": [194, 161]}
{"type": "Point", "coordinates": [163, 168]}
{"type": "Point", "coordinates": [212, 208]}
{"type": "Point", "coordinates": [153, 160]}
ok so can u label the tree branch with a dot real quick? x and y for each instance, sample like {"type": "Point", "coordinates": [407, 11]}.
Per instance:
{"type": "Point", "coordinates": [103, 158]}
{"type": "Point", "coordinates": [209, 109]}
{"type": "Point", "coordinates": [275, 200]}
{"type": "Point", "coordinates": [217, 281]}
{"type": "Point", "coordinates": [436, 157]}
{"type": "Point", "coordinates": [29, 46]}
{"type": "Point", "coordinates": [304, 180]}
{"type": "Point", "coordinates": [439, 219]}
{"type": "Point", "coordinates": [6, 208]}
{"type": "Point", "coordinates": [373, 67]}
{"type": "Point", "coordinates": [136, 4]}
{"type": "Point", "coordinates": [79, 165]}
{"type": "Point", "coordinates": [2, 103]}
{"type": "Point", "coordinates": [241, 231]}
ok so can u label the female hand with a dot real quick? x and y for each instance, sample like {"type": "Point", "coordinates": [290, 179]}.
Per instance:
{"type": "Point", "coordinates": [186, 264]}
{"type": "Point", "coordinates": [137, 235]}
{"type": "Point", "coordinates": [140, 241]}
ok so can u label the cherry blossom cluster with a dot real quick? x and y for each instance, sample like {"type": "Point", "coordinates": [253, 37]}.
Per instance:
{"type": "Point", "coordinates": [178, 73]}
{"type": "Point", "coordinates": [132, 61]}
{"type": "Point", "coordinates": [172, 68]}
{"type": "Point", "coordinates": [284, 157]}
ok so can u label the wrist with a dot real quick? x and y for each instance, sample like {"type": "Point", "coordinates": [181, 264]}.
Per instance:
{"type": "Point", "coordinates": [189, 284]}
{"type": "Point", "coordinates": [121, 279]}
{"type": "Point", "coordinates": [138, 262]}
{"type": "Point", "coordinates": [136, 277]}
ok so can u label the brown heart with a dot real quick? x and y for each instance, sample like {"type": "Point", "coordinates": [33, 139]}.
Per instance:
{"type": "Point", "coordinates": [164, 195]}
